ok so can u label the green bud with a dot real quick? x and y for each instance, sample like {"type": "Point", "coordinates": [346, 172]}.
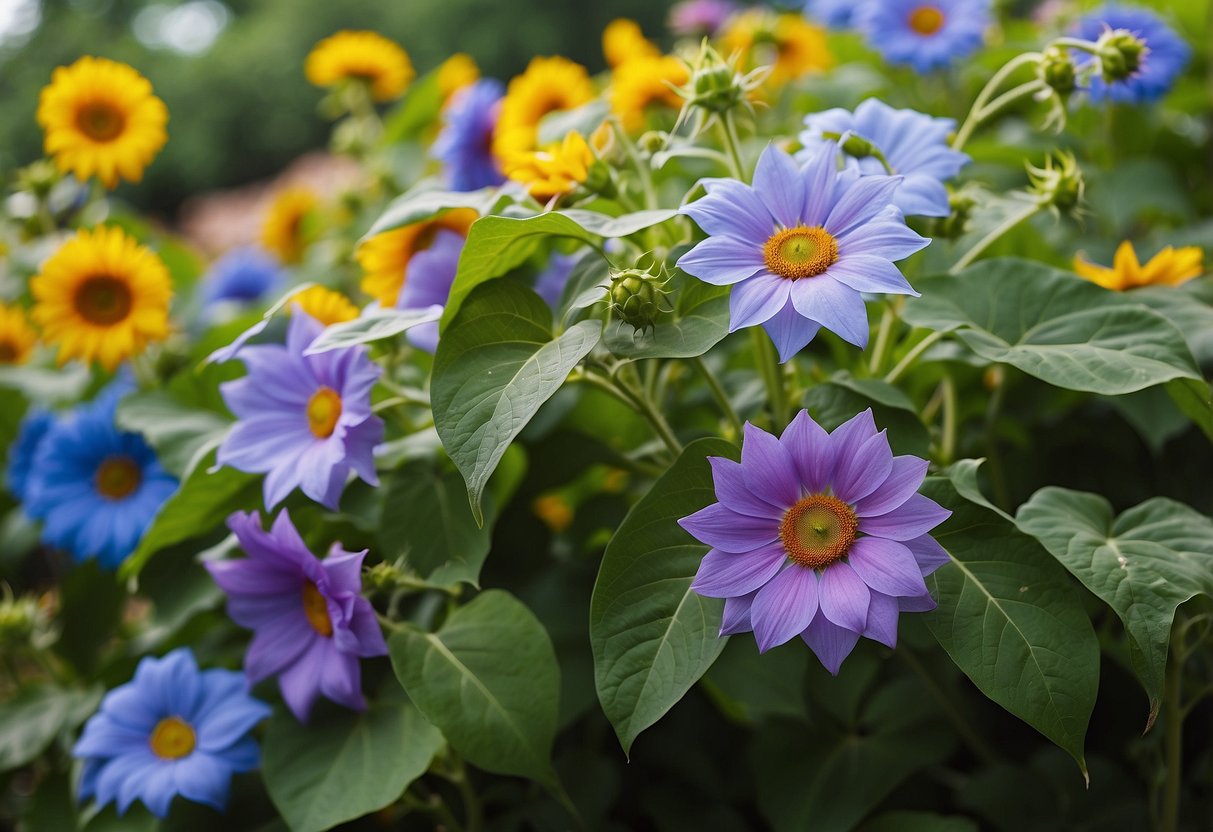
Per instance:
{"type": "Point", "coordinates": [1120, 53]}
{"type": "Point", "coordinates": [1059, 184]}
{"type": "Point", "coordinates": [1056, 69]}
{"type": "Point", "coordinates": [599, 180]}
{"type": "Point", "coordinates": [38, 178]}
{"type": "Point", "coordinates": [956, 223]}
{"type": "Point", "coordinates": [638, 298]}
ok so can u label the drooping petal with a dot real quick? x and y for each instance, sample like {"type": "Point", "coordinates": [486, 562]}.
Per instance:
{"type": "Point", "coordinates": [784, 607]}
{"type": "Point", "coordinates": [736, 618]}
{"type": "Point", "coordinates": [721, 528]}
{"type": "Point", "coordinates": [844, 597]}
{"type": "Point", "coordinates": [790, 331]}
{"type": "Point", "coordinates": [886, 566]}
{"type": "Point", "coordinates": [727, 575]}
{"type": "Point", "coordinates": [831, 643]}
{"type": "Point", "coordinates": [914, 517]}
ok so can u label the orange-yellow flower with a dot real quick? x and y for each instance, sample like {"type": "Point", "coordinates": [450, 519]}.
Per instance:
{"type": "Point", "coordinates": [325, 305]}
{"type": "Point", "coordinates": [646, 82]}
{"type": "Point", "coordinates": [547, 86]}
{"type": "Point", "coordinates": [284, 231]}
{"type": "Point", "coordinates": [455, 73]}
{"type": "Point", "coordinates": [623, 40]}
{"type": "Point", "coordinates": [554, 171]}
{"type": "Point", "coordinates": [360, 56]}
{"type": "Point", "coordinates": [1169, 267]}
{"type": "Point", "coordinates": [385, 257]}
{"type": "Point", "coordinates": [791, 45]}
{"type": "Point", "coordinates": [17, 337]}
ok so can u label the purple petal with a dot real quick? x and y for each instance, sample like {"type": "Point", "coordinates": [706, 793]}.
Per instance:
{"type": "Point", "coordinates": [886, 566]}
{"type": "Point", "coordinates": [277, 646]}
{"type": "Point", "coordinates": [916, 603]}
{"type": "Point", "coordinates": [866, 273]}
{"type": "Point", "coordinates": [809, 446]}
{"type": "Point", "coordinates": [914, 517]}
{"type": "Point", "coordinates": [767, 467]}
{"type": "Point", "coordinates": [831, 643]}
{"type": "Point", "coordinates": [882, 619]}
{"type": "Point", "coordinates": [780, 186]}
{"type": "Point", "coordinates": [847, 438]}
{"type": "Point", "coordinates": [736, 617]}
{"type": "Point", "coordinates": [259, 444]}
{"type": "Point", "coordinates": [723, 260]}
{"type": "Point", "coordinates": [756, 300]}
{"type": "Point", "coordinates": [721, 528]}
{"type": "Point", "coordinates": [844, 597]}
{"type": "Point", "coordinates": [300, 683]}
{"type": "Point", "coordinates": [784, 607]}
{"type": "Point", "coordinates": [790, 331]}
{"type": "Point", "coordinates": [819, 173]}
{"type": "Point", "coordinates": [341, 680]}
{"type": "Point", "coordinates": [887, 237]}
{"type": "Point", "coordinates": [727, 575]}
{"type": "Point", "coordinates": [249, 577]}
{"type": "Point", "coordinates": [858, 475]}
{"type": "Point", "coordinates": [733, 209]}
{"type": "Point", "coordinates": [929, 554]}
{"type": "Point", "coordinates": [838, 308]}
{"type": "Point", "coordinates": [864, 199]}
{"type": "Point", "coordinates": [905, 477]}
{"type": "Point", "coordinates": [732, 491]}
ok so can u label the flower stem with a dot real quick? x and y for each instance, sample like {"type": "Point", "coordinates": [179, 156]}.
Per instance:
{"type": "Point", "coordinates": [911, 356]}
{"type": "Point", "coordinates": [1173, 720]}
{"type": "Point", "coordinates": [732, 146]}
{"type": "Point", "coordinates": [881, 348]}
{"type": "Point", "coordinates": [947, 446]}
{"type": "Point", "coordinates": [772, 377]}
{"type": "Point", "coordinates": [643, 169]}
{"type": "Point", "coordinates": [638, 403]}
{"type": "Point", "coordinates": [721, 397]}
{"type": "Point", "coordinates": [1029, 211]}
{"type": "Point", "coordinates": [977, 113]}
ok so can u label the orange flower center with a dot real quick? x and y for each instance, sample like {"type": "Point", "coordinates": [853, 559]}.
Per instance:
{"type": "Point", "coordinates": [117, 477]}
{"type": "Point", "coordinates": [103, 300]}
{"type": "Point", "coordinates": [799, 252]}
{"type": "Point", "coordinates": [8, 352]}
{"type": "Point", "coordinates": [926, 20]}
{"type": "Point", "coordinates": [172, 738]}
{"type": "Point", "coordinates": [323, 411]}
{"type": "Point", "coordinates": [100, 121]}
{"type": "Point", "coordinates": [818, 530]}
{"type": "Point", "coordinates": [317, 610]}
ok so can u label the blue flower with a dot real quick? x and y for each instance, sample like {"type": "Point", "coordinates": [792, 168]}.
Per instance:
{"type": "Point", "coordinates": [914, 144]}
{"type": "Point", "coordinates": [1165, 59]}
{"type": "Point", "coordinates": [172, 730]}
{"type": "Point", "coordinates": [95, 488]}
{"type": "Point", "coordinates": [802, 245]}
{"type": "Point", "coordinates": [243, 275]}
{"type": "Point", "coordinates": [837, 14]}
{"type": "Point", "coordinates": [465, 143]}
{"type": "Point", "coordinates": [926, 34]}
{"type": "Point", "coordinates": [21, 454]}
{"type": "Point", "coordinates": [431, 275]}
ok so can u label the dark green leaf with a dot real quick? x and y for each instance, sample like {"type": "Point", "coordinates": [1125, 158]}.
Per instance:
{"type": "Point", "coordinates": [31, 720]}
{"type": "Point", "coordinates": [835, 401]}
{"type": "Point", "coordinates": [700, 320]}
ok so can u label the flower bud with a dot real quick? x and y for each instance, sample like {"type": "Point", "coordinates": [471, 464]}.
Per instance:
{"type": "Point", "coordinates": [1059, 184]}
{"type": "Point", "coordinates": [1056, 69]}
{"type": "Point", "coordinates": [718, 85]}
{"type": "Point", "coordinates": [38, 178]}
{"type": "Point", "coordinates": [638, 298]}
{"type": "Point", "coordinates": [1120, 53]}
{"type": "Point", "coordinates": [956, 223]}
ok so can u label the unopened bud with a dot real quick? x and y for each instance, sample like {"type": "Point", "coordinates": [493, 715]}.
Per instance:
{"type": "Point", "coordinates": [1120, 53]}
{"type": "Point", "coordinates": [1059, 184]}
{"type": "Point", "coordinates": [638, 298]}
{"type": "Point", "coordinates": [1056, 69]}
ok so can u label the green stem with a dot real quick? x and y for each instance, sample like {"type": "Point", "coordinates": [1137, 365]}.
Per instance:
{"type": "Point", "coordinates": [643, 170]}
{"type": "Point", "coordinates": [911, 356]}
{"type": "Point", "coordinates": [768, 367]}
{"type": "Point", "coordinates": [993, 455]}
{"type": "Point", "coordinates": [472, 810]}
{"type": "Point", "coordinates": [967, 733]}
{"type": "Point", "coordinates": [1173, 719]}
{"type": "Point", "coordinates": [1011, 96]}
{"type": "Point", "coordinates": [732, 146]}
{"type": "Point", "coordinates": [881, 348]}
{"type": "Point", "coordinates": [976, 115]}
{"type": "Point", "coordinates": [1029, 211]}
{"type": "Point", "coordinates": [637, 403]}
{"type": "Point", "coordinates": [721, 397]}
{"type": "Point", "coordinates": [947, 446]}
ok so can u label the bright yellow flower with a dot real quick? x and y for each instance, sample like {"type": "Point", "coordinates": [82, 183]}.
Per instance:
{"type": "Point", "coordinates": [457, 72]}
{"type": "Point", "coordinates": [622, 40]}
{"type": "Point", "coordinates": [554, 171]}
{"type": "Point", "coordinates": [102, 297]}
{"type": "Point", "coordinates": [283, 231]}
{"type": "Point", "coordinates": [547, 86]}
{"type": "Point", "coordinates": [325, 305]}
{"type": "Point", "coordinates": [363, 56]}
{"type": "Point", "coordinates": [554, 511]}
{"type": "Point", "coordinates": [101, 118]}
{"type": "Point", "coordinates": [645, 82]}
{"type": "Point", "coordinates": [789, 43]}
{"type": "Point", "coordinates": [17, 337]}
{"type": "Point", "coordinates": [1169, 267]}
{"type": "Point", "coordinates": [385, 257]}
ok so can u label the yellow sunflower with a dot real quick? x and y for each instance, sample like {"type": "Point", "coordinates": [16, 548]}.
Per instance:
{"type": "Point", "coordinates": [360, 56]}
{"type": "Point", "coordinates": [1169, 267]}
{"type": "Point", "coordinates": [645, 82]}
{"type": "Point", "coordinates": [547, 86]}
{"type": "Point", "coordinates": [17, 337]}
{"type": "Point", "coordinates": [101, 118]}
{"type": "Point", "coordinates": [284, 231]}
{"type": "Point", "coordinates": [385, 257]}
{"type": "Point", "coordinates": [790, 44]}
{"type": "Point", "coordinates": [325, 305]}
{"type": "Point", "coordinates": [554, 171]}
{"type": "Point", "coordinates": [455, 73]}
{"type": "Point", "coordinates": [102, 297]}
{"type": "Point", "coordinates": [623, 40]}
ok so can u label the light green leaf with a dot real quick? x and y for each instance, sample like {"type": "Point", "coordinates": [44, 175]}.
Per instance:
{"type": "Point", "coordinates": [700, 320]}
{"type": "Point", "coordinates": [372, 325]}
{"type": "Point", "coordinates": [346, 766]}
{"type": "Point", "coordinates": [46, 385]}
{"type": "Point", "coordinates": [652, 636]}
{"type": "Point", "coordinates": [495, 365]}
{"type": "Point", "coordinates": [1194, 398]}
{"type": "Point", "coordinates": [1143, 564]}
{"type": "Point", "coordinates": [179, 433]}
{"type": "Point", "coordinates": [488, 679]}
{"type": "Point", "coordinates": [418, 205]}
{"type": "Point", "coordinates": [584, 119]}
{"type": "Point", "coordinates": [31, 720]}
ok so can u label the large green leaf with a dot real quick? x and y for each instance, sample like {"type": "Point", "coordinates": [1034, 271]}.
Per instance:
{"type": "Point", "coordinates": [1195, 400]}
{"type": "Point", "coordinates": [1143, 564]}
{"type": "Point", "coordinates": [1055, 326]}
{"type": "Point", "coordinates": [700, 319]}
{"type": "Point", "coordinates": [837, 399]}
{"type": "Point", "coordinates": [488, 679]}
{"type": "Point", "coordinates": [652, 636]}
{"type": "Point", "coordinates": [1013, 622]}
{"type": "Point", "coordinates": [495, 365]}
{"type": "Point", "coordinates": [180, 434]}
{"type": "Point", "coordinates": [372, 325]}
{"type": "Point", "coordinates": [423, 204]}
{"type": "Point", "coordinates": [347, 765]}
{"type": "Point", "coordinates": [31, 720]}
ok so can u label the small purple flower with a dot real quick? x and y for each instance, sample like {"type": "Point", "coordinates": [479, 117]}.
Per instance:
{"type": "Point", "coordinates": [818, 535]}
{"type": "Point", "coordinates": [914, 144]}
{"type": "Point", "coordinates": [700, 18]}
{"type": "Point", "coordinates": [926, 34]}
{"type": "Point", "coordinates": [837, 14]}
{"type": "Point", "coordinates": [310, 623]}
{"type": "Point", "coordinates": [431, 275]}
{"type": "Point", "coordinates": [465, 144]}
{"type": "Point", "coordinates": [1164, 61]}
{"type": "Point", "coordinates": [802, 245]}
{"type": "Point", "coordinates": [303, 420]}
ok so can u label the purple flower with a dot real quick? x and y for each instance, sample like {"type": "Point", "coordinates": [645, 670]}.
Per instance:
{"type": "Point", "coordinates": [801, 245]}
{"type": "Point", "coordinates": [550, 282]}
{"type": "Point", "coordinates": [837, 14]}
{"type": "Point", "coordinates": [431, 275]}
{"type": "Point", "coordinates": [310, 623]}
{"type": "Point", "coordinates": [465, 143]}
{"type": "Point", "coordinates": [700, 18]}
{"type": "Point", "coordinates": [818, 535]}
{"type": "Point", "coordinates": [243, 275]}
{"type": "Point", "coordinates": [1164, 61]}
{"type": "Point", "coordinates": [172, 730]}
{"type": "Point", "coordinates": [914, 144]}
{"type": "Point", "coordinates": [304, 420]}
{"type": "Point", "coordinates": [926, 34]}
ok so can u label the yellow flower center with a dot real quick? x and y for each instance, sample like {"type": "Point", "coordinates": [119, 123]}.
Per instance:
{"type": "Point", "coordinates": [103, 300]}
{"type": "Point", "coordinates": [926, 20]}
{"type": "Point", "coordinates": [818, 530]}
{"type": "Point", "coordinates": [799, 252]}
{"type": "Point", "coordinates": [172, 738]}
{"type": "Point", "coordinates": [100, 121]}
{"type": "Point", "coordinates": [323, 411]}
{"type": "Point", "coordinates": [117, 477]}
{"type": "Point", "coordinates": [317, 610]}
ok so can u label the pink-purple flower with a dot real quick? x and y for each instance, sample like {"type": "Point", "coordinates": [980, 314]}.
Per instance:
{"type": "Point", "coordinates": [818, 535]}
{"type": "Point", "coordinates": [311, 626]}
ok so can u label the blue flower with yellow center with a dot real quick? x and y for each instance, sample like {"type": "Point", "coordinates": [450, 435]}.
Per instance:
{"type": "Point", "coordinates": [1166, 56]}
{"type": "Point", "coordinates": [465, 144]}
{"type": "Point", "coordinates": [926, 34]}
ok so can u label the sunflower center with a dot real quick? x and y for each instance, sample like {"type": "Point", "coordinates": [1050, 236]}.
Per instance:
{"type": "Point", "coordinates": [103, 300]}
{"type": "Point", "coordinates": [317, 610]}
{"type": "Point", "coordinates": [8, 352]}
{"type": "Point", "coordinates": [818, 530]}
{"type": "Point", "coordinates": [172, 738]}
{"type": "Point", "coordinates": [799, 252]}
{"type": "Point", "coordinates": [323, 411]}
{"type": "Point", "coordinates": [117, 477]}
{"type": "Point", "coordinates": [99, 121]}
{"type": "Point", "coordinates": [926, 20]}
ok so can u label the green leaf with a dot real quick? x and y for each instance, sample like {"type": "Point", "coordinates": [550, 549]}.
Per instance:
{"type": "Point", "coordinates": [46, 385]}
{"type": "Point", "coordinates": [700, 320]}
{"type": "Point", "coordinates": [346, 766]}
{"type": "Point", "coordinates": [1055, 326]}
{"type": "Point", "coordinates": [754, 686]}
{"type": "Point", "coordinates": [652, 636]}
{"type": "Point", "coordinates": [584, 119]}
{"type": "Point", "coordinates": [31, 720]}
{"type": "Point", "coordinates": [1143, 564]}
{"type": "Point", "coordinates": [488, 679]}
{"type": "Point", "coordinates": [495, 365]}
{"type": "Point", "coordinates": [919, 822]}
{"type": "Point", "coordinates": [179, 433]}
{"type": "Point", "coordinates": [418, 205]}
{"type": "Point", "coordinates": [1013, 622]}
{"type": "Point", "coordinates": [1188, 308]}
{"type": "Point", "coordinates": [417, 112]}
{"type": "Point", "coordinates": [372, 325]}
{"type": "Point", "coordinates": [1194, 398]}
{"type": "Point", "coordinates": [835, 401]}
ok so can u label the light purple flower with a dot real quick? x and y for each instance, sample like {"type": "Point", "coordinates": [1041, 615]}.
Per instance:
{"type": "Point", "coordinates": [310, 623]}
{"type": "Point", "coordinates": [818, 535]}
{"type": "Point", "coordinates": [304, 420]}
{"type": "Point", "coordinates": [802, 245]}
{"type": "Point", "coordinates": [837, 14]}
{"type": "Point", "coordinates": [700, 18]}
{"type": "Point", "coordinates": [431, 275]}
{"type": "Point", "coordinates": [926, 34]}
